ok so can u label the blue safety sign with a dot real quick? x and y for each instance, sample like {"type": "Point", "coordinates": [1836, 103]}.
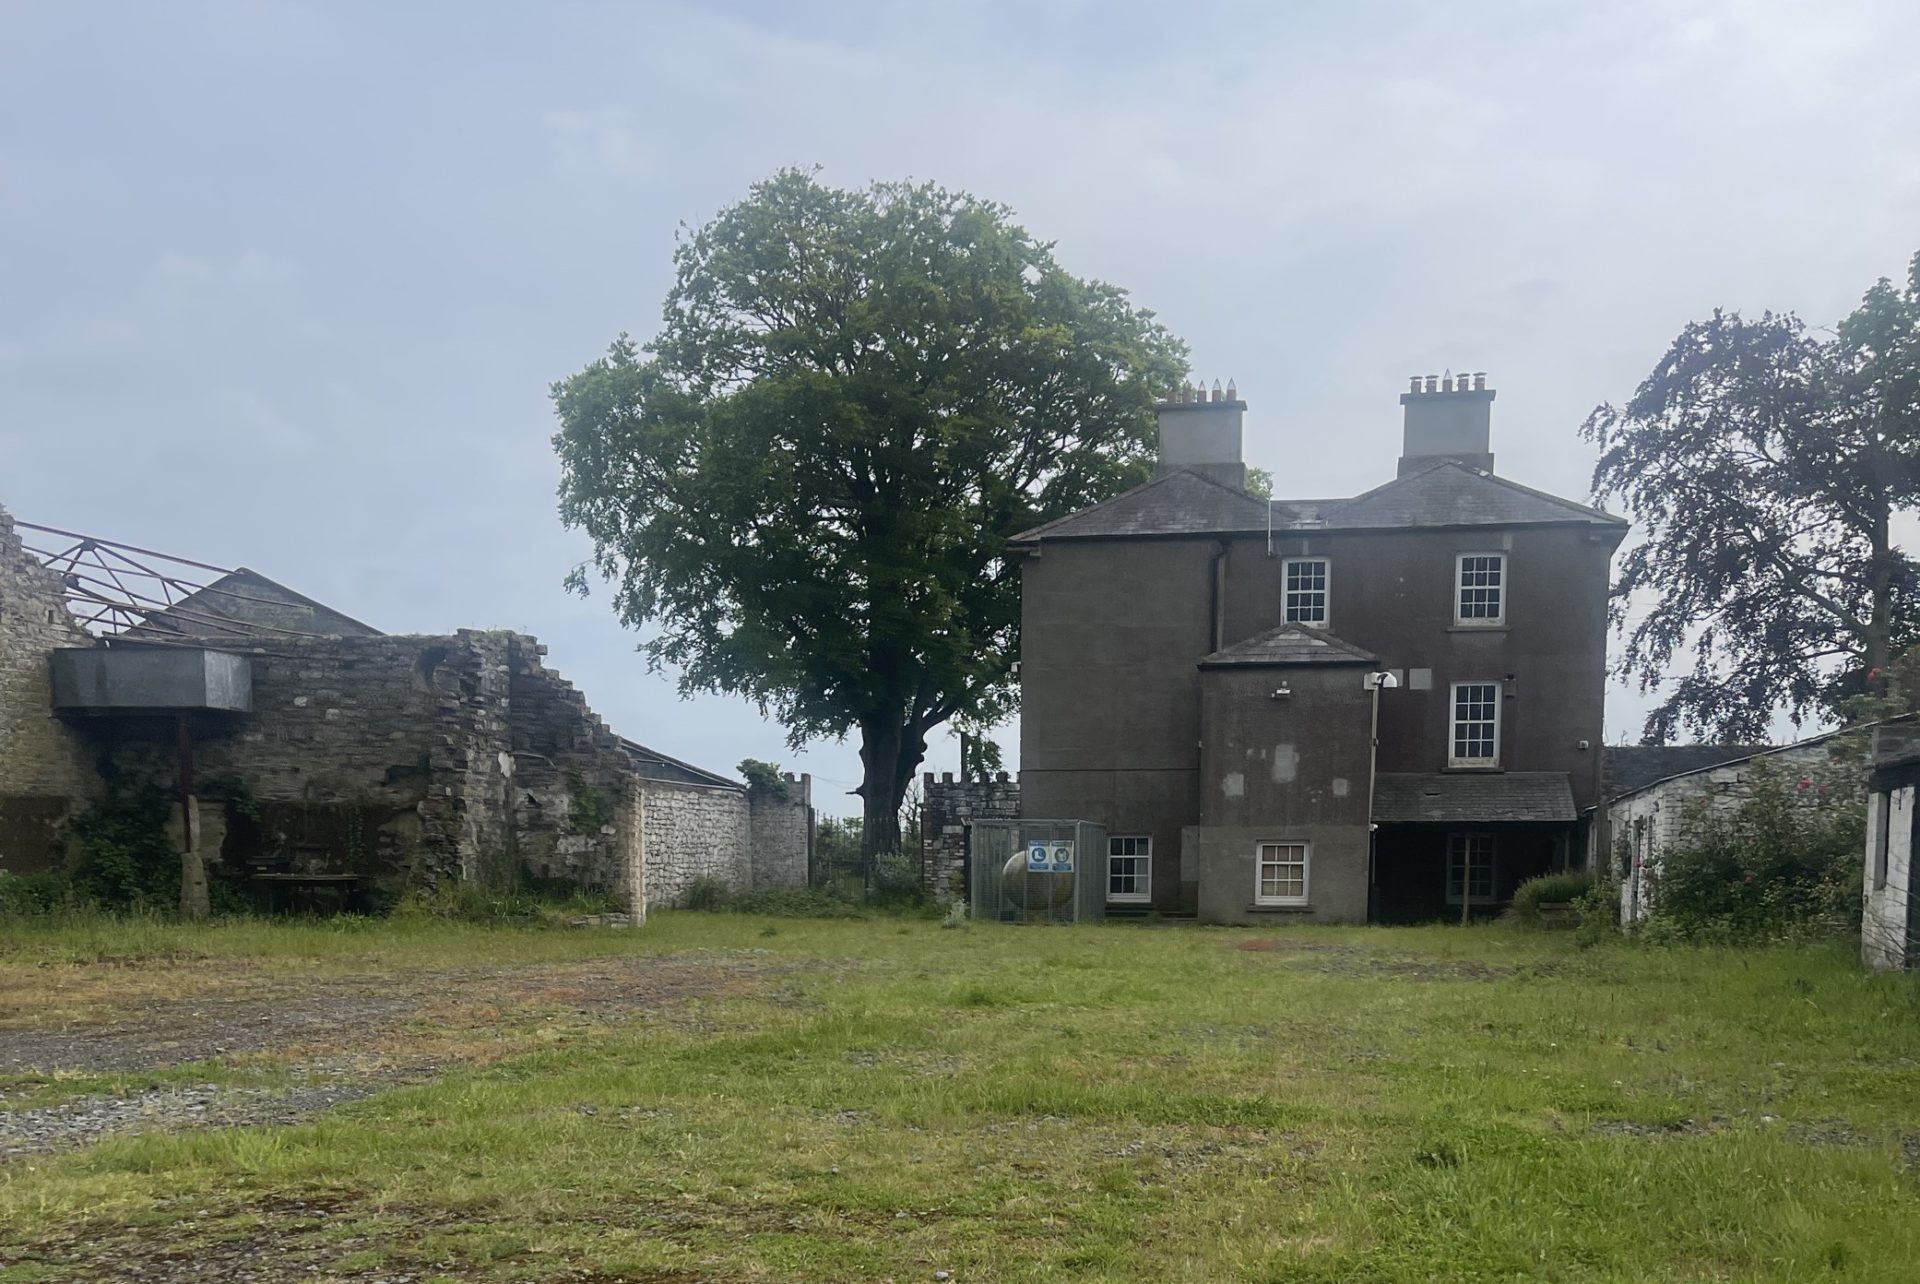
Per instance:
{"type": "Point", "coordinates": [1050, 857]}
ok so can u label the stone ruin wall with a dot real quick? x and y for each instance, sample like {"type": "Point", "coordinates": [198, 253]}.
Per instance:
{"type": "Point", "coordinates": [45, 766]}
{"type": "Point", "coordinates": [947, 808]}
{"type": "Point", "coordinates": [407, 760]}
{"type": "Point", "coordinates": [575, 798]}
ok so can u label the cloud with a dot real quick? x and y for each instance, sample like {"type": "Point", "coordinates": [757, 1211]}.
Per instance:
{"type": "Point", "coordinates": [600, 140]}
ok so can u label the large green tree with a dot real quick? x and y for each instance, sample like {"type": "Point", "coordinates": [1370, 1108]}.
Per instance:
{"type": "Point", "coordinates": [804, 484]}
{"type": "Point", "coordinates": [1764, 463]}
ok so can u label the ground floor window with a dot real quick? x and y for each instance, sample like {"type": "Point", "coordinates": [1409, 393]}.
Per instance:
{"type": "Point", "coordinates": [1129, 868]}
{"type": "Point", "coordinates": [1282, 874]}
{"type": "Point", "coordinates": [1470, 868]}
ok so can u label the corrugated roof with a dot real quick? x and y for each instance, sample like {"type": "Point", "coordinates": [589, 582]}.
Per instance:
{"type": "Point", "coordinates": [1180, 503]}
{"type": "Point", "coordinates": [1447, 494]}
{"type": "Point", "coordinates": [1451, 494]}
{"type": "Point", "coordinates": [1459, 798]}
{"type": "Point", "coordinates": [1289, 644]}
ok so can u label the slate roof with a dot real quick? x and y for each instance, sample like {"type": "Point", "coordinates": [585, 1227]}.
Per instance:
{"type": "Point", "coordinates": [1447, 494]}
{"type": "Point", "coordinates": [246, 603]}
{"type": "Point", "coordinates": [1457, 798]}
{"type": "Point", "coordinates": [1182, 503]}
{"type": "Point", "coordinates": [654, 765]}
{"type": "Point", "coordinates": [1452, 494]}
{"type": "Point", "coordinates": [1289, 644]}
{"type": "Point", "coordinates": [1627, 768]}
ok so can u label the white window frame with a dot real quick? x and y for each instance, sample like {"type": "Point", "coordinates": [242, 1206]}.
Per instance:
{"type": "Point", "coordinates": [1460, 618]}
{"type": "Point", "coordinates": [1260, 862]}
{"type": "Point", "coordinates": [1492, 895]}
{"type": "Point", "coordinates": [1143, 852]}
{"type": "Point", "coordinates": [1453, 726]}
{"type": "Point", "coordinates": [1325, 591]}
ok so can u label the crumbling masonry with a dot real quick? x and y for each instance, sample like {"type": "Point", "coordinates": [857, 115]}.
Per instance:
{"type": "Point", "coordinates": [403, 761]}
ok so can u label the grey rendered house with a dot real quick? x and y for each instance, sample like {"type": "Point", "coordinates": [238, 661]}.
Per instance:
{"type": "Point", "coordinates": [1205, 674]}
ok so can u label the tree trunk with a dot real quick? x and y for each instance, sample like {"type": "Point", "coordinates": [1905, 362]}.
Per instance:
{"type": "Point", "coordinates": [1876, 651]}
{"type": "Point", "coordinates": [891, 750]}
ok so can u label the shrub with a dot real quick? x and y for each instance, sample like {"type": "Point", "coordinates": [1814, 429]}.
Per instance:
{"type": "Point", "coordinates": [468, 903]}
{"type": "Point", "coordinates": [897, 882]}
{"type": "Point", "coordinates": [40, 893]}
{"type": "Point", "coordinates": [1549, 889]}
{"type": "Point", "coordinates": [1778, 866]}
{"type": "Point", "coordinates": [799, 902]}
{"type": "Point", "coordinates": [125, 859]}
{"type": "Point", "coordinates": [1599, 910]}
{"type": "Point", "coordinates": [707, 894]}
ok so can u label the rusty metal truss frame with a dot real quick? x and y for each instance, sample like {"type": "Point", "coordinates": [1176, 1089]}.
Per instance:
{"type": "Point", "coordinates": [124, 591]}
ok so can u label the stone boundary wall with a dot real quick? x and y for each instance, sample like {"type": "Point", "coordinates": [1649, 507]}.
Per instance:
{"type": "Point", "coordinates": [947, 808]}
{"type": "Point", "coordinates": [780, 834]}
{"type": "Point", "coordinates": [45, 766]}
{"type": "Point", "coordinates": [694, 832]}
{"type": "Point", "coordinates": [1643, 824]}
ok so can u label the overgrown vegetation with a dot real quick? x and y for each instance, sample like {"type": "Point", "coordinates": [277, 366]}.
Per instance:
{"type": "Point", "coordinates": [1565, 888]}
{"type": "Point", "coordinates": [588, 810]}
{"type": "Point", "coordinates": [764, 778]}
{"type": "Point", "coordinates": [120, 853]}
{"type": "Point", "coordinates": [1017, 1104]}
{"type": "Point", "coordinates": [457, 902]}
{"type": "Point", "coordinates": [711, 895]}
{"type": "Point", "coordinates": [1784, 864]}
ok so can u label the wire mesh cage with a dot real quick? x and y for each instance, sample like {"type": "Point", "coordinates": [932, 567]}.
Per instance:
{"type": "Point", "coordinates": [1038, 871]}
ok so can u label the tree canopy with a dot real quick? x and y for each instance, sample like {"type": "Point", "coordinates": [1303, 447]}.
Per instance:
{"type": "Point", "coordinates": [804, 484]}
{"type": "Point", "coordinates": [1764, 463]}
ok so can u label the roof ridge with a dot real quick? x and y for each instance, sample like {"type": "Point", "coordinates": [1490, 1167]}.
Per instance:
{"type": "Point", "coordinates": [1255, 506]}
{"type": "Point", "coordinates": [1255, 644]}
{"type": "Point", "coordinates": [1508, 483]}
{"type": "Point", "coordinates": [1035, 531]}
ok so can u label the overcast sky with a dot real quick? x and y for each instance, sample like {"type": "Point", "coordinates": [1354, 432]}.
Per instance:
{"type": "Point", "coordinates": [285, 285]}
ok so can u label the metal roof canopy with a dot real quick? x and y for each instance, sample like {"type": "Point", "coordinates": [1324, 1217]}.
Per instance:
{"type": "Point", "coordinates": [134, 679]}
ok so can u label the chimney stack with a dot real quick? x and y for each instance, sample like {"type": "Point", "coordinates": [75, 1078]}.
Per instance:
{"type": "Point", "coordinates": [1200, 432]}
{"type": "Point", "coordinates": [1447, 418]}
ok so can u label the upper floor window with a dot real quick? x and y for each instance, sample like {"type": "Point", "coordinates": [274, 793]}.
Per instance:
{"type": "Point", "coordinates": [1306, 591]}
{"type": "Point", "coordinates": [1476, 725]}
{"type": "Point", "coordinates": [1281, 874]}
{"type": "Point", "coordinates": [1129, 868]}
{"type": "Point", "coordinates": [1481, 589]}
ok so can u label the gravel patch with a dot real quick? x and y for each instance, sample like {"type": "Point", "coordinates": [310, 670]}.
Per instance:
{"type": "Point", "coordinates": [338, 1023]}
{"type": "Point", "coordinates": [44, 1129]}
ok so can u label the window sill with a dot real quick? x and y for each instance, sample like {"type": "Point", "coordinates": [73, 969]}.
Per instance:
{"type": "Point", "coordinates": [1279, 909]}
{"type": "Point", "coordinates": [1479, 628]}
{"type": "Point", "coordinates": [1475, 768]}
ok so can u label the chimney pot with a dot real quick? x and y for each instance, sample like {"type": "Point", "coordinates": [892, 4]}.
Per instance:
{"type": "Point", "coordinates": [1433, 383]}
{"type": "Point", "coordinates": [1216, 390]}
{"type": "Point", "coordinates": [1233, 394]}
{"type": "Point", "coordinates": [1413, 384]}
{"type": "Point", "coordinates": [1446, 382]}
{"type": "Point", "coordinates": [1480, 381]}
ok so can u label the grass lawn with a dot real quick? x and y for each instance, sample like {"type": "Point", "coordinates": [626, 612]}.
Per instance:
{"type": "Point", "coordinates": [868, 1100]}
